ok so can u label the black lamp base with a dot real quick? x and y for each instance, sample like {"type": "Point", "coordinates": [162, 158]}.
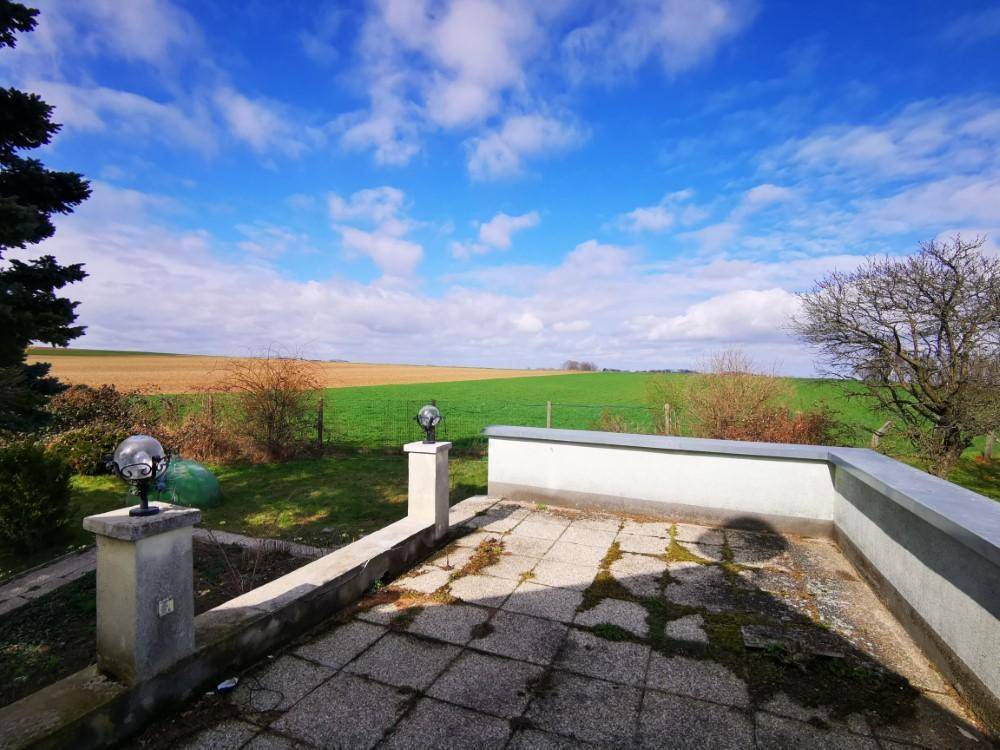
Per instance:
{"type": "Point", "coordinates": [140, 511]}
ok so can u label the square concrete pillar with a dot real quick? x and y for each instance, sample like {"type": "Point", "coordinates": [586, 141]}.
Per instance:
{"type": "Point", "coordinates": [145, 590]}
{"type": "Point", "coordinates": [428, 484]}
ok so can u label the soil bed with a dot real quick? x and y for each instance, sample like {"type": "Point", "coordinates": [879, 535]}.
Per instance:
{"type": "Point", "coordinates": [53, 636]}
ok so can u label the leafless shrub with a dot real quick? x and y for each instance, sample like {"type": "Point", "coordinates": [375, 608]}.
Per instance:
{"type": "Point", "coordinates": [611, 422]}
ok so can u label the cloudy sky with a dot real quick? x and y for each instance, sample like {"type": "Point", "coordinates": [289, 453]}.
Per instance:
{"type": "Point", "coordinates": [505, 183]}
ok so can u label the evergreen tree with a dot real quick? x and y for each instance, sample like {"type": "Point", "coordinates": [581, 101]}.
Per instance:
{"type": "Point", "coordinates": [30, 308]}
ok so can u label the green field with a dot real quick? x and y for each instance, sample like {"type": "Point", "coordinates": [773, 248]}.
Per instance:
{"type": "Point", "coordinates": [60, 351]}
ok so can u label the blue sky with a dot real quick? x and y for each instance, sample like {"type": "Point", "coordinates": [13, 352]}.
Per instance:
{"type": "Point", "coordinates": [637, 183]}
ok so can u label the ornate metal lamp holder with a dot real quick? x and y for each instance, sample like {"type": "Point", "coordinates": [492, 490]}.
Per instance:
{"type": "Point", "coordinates": [140, 462]}
{"type": "Point", "coordinates": [428, 418]}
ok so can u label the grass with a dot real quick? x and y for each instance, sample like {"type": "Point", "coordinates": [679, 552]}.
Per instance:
{"type": "Point", "coordinates": [52, 351]}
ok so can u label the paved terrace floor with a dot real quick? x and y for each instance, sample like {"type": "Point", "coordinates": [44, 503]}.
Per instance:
{"type": "Point", "coordinates": [546, 628]}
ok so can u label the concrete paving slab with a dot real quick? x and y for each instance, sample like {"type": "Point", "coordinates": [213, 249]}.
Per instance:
{"type": "Point", "coordinates": [642, 575]}
{"type": "Point", "coordinates": [618, 661]}
{"type": "Point", "coordinates": [659, 529]}
{"type": "Point", "coordinates": [595, 711]}
{"type": "Point", "coordinates": [9, 605]}
{"type": "Point", "coordinates": [739, 538]}
{"type": "Point", "coordinates": [783, 705]}
{"type": "Point", "coordinates": [494, 524]}
{"type": "Point", "coordinates": [764, 555]}
{"type": "Point", "coordinates": [544, 601]}
{"type": "Point", "coordinates": [539, 529]}
{"type": "Point", "coordinates": [532, 739]}
{"type": "Point", "coordinates": [347, 711]}
{"type": "Point", "coordinates": [474, 539]}
{"type": "Point", "coordinates": [452, 623]}
{"type": "Point", "coordinates": [644, 545]}
{"type": "Point", "coordinates": [433, 725]}
{"type": "Point", "coordinates": [696, 678]}
{"type": "Point", "coordinates": [626, 615]}
{"type": "Point", "coordinates": [510, 566]}
{"type": "Point", "coordinates": [563, 575]}
{"type": "Point", "coordinates": [339, 646]}
{"type": "Point", "coordinates": [380, 614]}
{"type": "Point", "coordinates": [526, 545]}
{"type": "Point", "coordinates": [676, 721]}
{"type": "Point", "coordinates": [272, 741]}
{"type": "Point", "coordinates": [490, 684]}
{"type": "Point", "coordinates": [690, 532]}
{"type": "Point", "coordinates": [938, 722]}
{"type": "Point", "coordinates": [710, 552]}
{"type": "Point", "coordinates": [278, 685]}
{"type": "Point", "coordinates": [452, 558]}
{"type": "Point", "coordinates": [598, 522]}
{"type": "Point", "coordinates": [575, 554]}
{"type": "Point", "coordinates": [404, 661]}
{"type": "Point", "coordinates": [522, 637]}
{"type": "Point", "coordinates": [704, 586]}
{"type": "Point", "coordinates": [690, 628]}
{"type": "Point", "coordinates": [558, 516]}
{"type": "Point", "coordinates": [486, 591]}
{"type": "Point", "coordinates": [226, 735]}
{"type": "Point", "coordinates": [779, 733]}
{"type": "Point", "coordinates": [590, 537]}
{"type": "Point", "coordinates": [425, 580]}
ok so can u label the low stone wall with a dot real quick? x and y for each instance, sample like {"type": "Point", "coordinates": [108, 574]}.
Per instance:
{"type": "Point", "coordinates": [931, 548]}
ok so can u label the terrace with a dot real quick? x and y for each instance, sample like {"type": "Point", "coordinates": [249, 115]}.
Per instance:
{"type": "Point", "coordinates": [611, 591]}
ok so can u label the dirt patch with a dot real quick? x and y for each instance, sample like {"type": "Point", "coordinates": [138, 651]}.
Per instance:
{"type": "Point", "coordinates": [54, 636]}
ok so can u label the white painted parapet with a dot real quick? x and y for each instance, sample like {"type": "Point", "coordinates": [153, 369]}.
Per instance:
{"type": "Point", "coordinates": [145, 590]}
{"type": "Point", "coordinates": [428, 484]}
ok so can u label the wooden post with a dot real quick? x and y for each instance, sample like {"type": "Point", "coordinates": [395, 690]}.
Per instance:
{"type": "Point", "coordinates": [319, 423]}
{"type": "Point", "coordinates": [880, 433]}
{"type": "Point", "coordinates": [666, 419]}
{"type": "Point", "coordinates": [548, 415]}
{"type": "Point", "coordinates": [211, 408]}
{"type": "Point", "coordinates": [988, 447]}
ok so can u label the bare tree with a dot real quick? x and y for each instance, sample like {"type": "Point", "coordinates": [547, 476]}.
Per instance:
{"type": "Point", "coordinates": [923, 334]}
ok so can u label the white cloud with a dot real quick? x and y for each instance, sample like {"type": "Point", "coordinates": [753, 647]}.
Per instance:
{"type": "Point", "coordinates": [498, 230]}
{"type": "Point", "coordinates": [395, 256]}
{"type": "Point", "coordinates": [380, 209]}
{"type": "Point", "coordinates": [502, 152]}
{"type": "Point", "coordinates": [571, 326]}
{"type": "Point", "coordinates": [527, 323]}
{"type": "Point", "coordinates": [742, 316]}
{"type": "Point", "coordinates": [672, 208]}
{"type": "Point", "coordinates": [259, 124]}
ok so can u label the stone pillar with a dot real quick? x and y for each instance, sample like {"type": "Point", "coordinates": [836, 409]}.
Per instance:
{"type": "Point", "coordinates": [145, 590]}
{"type": "Point", "coordinates": [428, 484]}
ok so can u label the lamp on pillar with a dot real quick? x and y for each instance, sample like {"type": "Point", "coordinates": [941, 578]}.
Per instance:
{"type": "Point", "coordinates": [428, 418]}
{"type": "Point", "coordinates": [139, 461]}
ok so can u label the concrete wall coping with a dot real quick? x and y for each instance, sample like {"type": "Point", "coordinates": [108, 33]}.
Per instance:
{"type": "Point", "coordinates": [421, 447]}
{"type": "Point", "coordinates": [966, 516]}
{"type": "Point", "coordinates": [118, 524]}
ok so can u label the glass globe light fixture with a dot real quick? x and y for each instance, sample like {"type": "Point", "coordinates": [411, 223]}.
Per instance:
{"type": "Point", "coordinates": [140, 461]}
{"type": "Point", "coordinates": [428, 418]}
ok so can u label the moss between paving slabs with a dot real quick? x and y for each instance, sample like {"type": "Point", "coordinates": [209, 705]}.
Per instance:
{"type": "Point", "coordinates": [846, 685]}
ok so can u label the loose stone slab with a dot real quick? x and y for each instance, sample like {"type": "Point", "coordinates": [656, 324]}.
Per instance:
{"type": "Point", "coordinates": [778, 733]}
{"type": "Point", "coordinates": [486, 591]}
{"type": "Point", "coordinates": [439, 726]}
{"type": "Point", "coordinates": [590, 537]}
{"type": "Point", "coordinates": [626, 615]}
{"type": "Point", "coordinates": [510, 566]}
{"type": "Point", "coordinates": [427, 580]}
{"type": "Point", "coordinates": [226, 735]}
{"type": "Point", "coordinates": [539, 529]}
{"type": "Point", "coordinates": [590, 710]}
{"type": "Point", "coordinates": [575, 554]}
{"type": "Point", "coordinates": [618, 661]}
{"type": "Point", "coordinates": [342, 644]}
{"type": "Point", "coordinates": [526, 545]}
{"type": "Point", "coordinates": [640, 574]}
{"type": "Point", "coordinates": [696, 678]}
{"type": "Point", "coordinates": [675, 721]}
{"type": "Point", "coordinates": [453, 623]}
{"type": "Point", "coordinates": [279, 685]}
{"type": "Point", "coordinates": [659, 529]}
{"type": "Point", "coordinates": [347, 711]}
{"type": "Point", "coordinates": [690, 628]}
{"type": "Point", "coordinates": [543, 601]}
{"type": "Point", "coordinates": [563, 575]}
{"type": "Point", "coordinates": [689, 532]}
{"type": "Point", "coordinates": [404, 661]}
{"type": "Point", "coordinates": [490, 684]}
{"type": "Point", "coordinates": [522, 637]}
{"type": "Point", "coordinates": [645, 545]}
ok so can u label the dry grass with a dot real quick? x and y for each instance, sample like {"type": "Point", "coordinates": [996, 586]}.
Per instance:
{"type": "Point", "coordinates": [191, 374]}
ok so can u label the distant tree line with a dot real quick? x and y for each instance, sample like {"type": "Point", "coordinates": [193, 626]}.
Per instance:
{"type": "Point", "coordinates": [572, 364]}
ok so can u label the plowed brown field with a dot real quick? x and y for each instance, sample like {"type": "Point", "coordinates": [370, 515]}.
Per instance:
{"type": "Point", "coordinates": [151, 373]}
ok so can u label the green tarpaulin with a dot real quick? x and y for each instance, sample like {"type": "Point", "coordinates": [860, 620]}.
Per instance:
{"type": "Point", "coordinates": [191, 484]}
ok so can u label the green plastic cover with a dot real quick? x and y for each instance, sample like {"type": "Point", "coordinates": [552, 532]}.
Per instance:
{"type": "Point", "coordinates": [191, 484]}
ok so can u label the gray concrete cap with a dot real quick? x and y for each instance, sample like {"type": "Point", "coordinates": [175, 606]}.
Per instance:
{"type": "Point", "coordinates": [118, 524]}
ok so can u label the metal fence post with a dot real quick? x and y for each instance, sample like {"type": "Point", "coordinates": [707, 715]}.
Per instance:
{"type": "Point", "coordinates": [548, 414]}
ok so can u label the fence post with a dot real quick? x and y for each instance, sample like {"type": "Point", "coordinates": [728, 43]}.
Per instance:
{"type": "Point", "coordinates": [319, 423]}
{"type": "Point", "coordinates": [548, 414]}
{"type": "Point", "coordinates": [666, 419]}
{"type": "Point", "coordinates": [988, 447]}
{"type": "Point", "coordinates": [211, 409]}
{"type": "Point", "coordinates": [880, 433]}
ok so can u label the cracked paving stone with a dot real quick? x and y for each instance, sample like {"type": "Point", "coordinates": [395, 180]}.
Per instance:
{"type": "Point", "coordinates": [347, 711]}
{"type": "Point", "coordinates": [783, 705]}
{"type": "Point", "coordinates": [404, 661]}
{"type": "Point", "coordinates": [453, 558]}
{"type": "Point", "coordinates": [696, 678]}
{"type": "Point", "coordinates": [486, 683]}
{"type": "Point", "coordinates": [486, 591]}
{"type": "Point", "coordinates": [433, 725]}
{"type": "Point", "coordinates": [626, 615]}
{"type": "Point", "coordinates": [640, 574]}
{"type": "Point", "coordinates": [778, 733]}
{"type": "Point", "coordinates": [453, 623]}
{"type": "Point", "coordinates": [617, 661]}
{"type": "Point", "coordinates": [676, 721]}
{"type": "Point", "coordinates": [690, 628]}
{"type": "Point", "coordinates": [278, 685]}
{"type": "Point", "coordinates": [338, 647]}
{"type": "Point", "coordinates": [563, 575]}
{"type": "Point", "coordinates": [596, 711]}
{"type": "Point", "coordinates": [522, 637]}
{"type": "Point", "coordinates": [544, 601]}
